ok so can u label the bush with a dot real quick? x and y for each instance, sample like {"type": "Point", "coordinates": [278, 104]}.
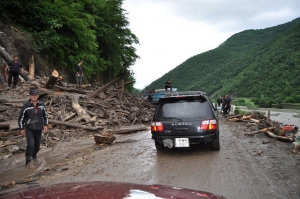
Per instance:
{"type": "Point", "coordinates": [238, 111]}
{"type": "Point", "coordinates": [290, 99]}
{"type": "Point", "coordinates": [239, 102]}
{"type": "Point", "coordinates": [265, 102]}
{"type": "Point", "coordinates": [255, 101]}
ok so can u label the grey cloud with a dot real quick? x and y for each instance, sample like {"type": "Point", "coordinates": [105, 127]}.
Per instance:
{"type": "Point", "coordinates": [235, 15]}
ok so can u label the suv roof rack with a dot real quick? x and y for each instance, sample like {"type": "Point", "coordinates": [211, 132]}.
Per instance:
{"type": "Point", "coordinates": [185, 93]}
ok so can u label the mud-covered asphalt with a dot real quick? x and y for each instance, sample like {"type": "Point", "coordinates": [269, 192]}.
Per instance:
{"type": "Point", "coordinates": [243, 168]}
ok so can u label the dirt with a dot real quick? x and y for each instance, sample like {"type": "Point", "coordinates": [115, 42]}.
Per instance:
{"type": "Point", "coordinates": [245, 167]}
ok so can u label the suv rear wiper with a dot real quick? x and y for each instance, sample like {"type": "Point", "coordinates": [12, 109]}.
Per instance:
{"type": "Point", "coordinates": [173, 118]}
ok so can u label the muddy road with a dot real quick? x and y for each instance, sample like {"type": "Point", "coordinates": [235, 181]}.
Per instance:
{"type": "Point", "coordinates": [245, 167]}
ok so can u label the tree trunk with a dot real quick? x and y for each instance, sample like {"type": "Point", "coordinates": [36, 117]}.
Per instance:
{"type": "Point", "coordinates": [128, 129]}
{"type": "Point", "coordinates": [90, 128]}
{"type": "Point", "coordinates": [31, 67]}
{"type": "Point", "coordinates": [81, 113]}
{"type": "Point", "coordinates": [52, 79]}
{"type": "Point", "coordinates": [272, 135]}
{"type": "Point", "coordinates": [4, 134]}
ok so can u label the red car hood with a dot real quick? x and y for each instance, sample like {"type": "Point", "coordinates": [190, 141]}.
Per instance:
{"type": "Point", "coordinates": [106, 190]}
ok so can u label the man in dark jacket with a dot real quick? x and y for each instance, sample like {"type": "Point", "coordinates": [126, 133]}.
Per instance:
{"type": "Point", "coordinates": [32, 121]}
{"type": "Point", "coordinates": [219, 101]}
{"type": "Point", "coordinates": [168, 85]}
{"type": "Point", "coordinates": [14, 68]}
{"type": "Point", "coordinates": [79, 75]}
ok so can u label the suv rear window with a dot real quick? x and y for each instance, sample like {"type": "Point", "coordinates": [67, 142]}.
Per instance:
{"type": "Point", "coordinates": [183, 108]}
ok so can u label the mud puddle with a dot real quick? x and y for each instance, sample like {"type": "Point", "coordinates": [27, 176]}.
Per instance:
{"type": "Point", "coordinates": [13, 168]}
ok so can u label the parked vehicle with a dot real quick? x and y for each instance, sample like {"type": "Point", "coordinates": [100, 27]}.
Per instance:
{"type": "Point", "coordinates": [159, 93]}
{"type": "Point", "coordinates": [183, 119]}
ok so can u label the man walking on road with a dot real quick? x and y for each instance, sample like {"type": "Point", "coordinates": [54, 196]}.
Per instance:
{"type": "Point", "coordinates": [32, 121]}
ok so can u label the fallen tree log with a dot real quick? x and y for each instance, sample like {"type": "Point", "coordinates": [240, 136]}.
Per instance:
{"type": "Point", "coordinates": [235, 119]}
{"type": "Point", "coordinates": [4, 134]}
{"type": "Point", "coordinates": [286, 139]}
{"type": "Point", "coordinates": [128, 129]}
{"type": "Point", "coordinates": [81, 113]}
{"type": "Point", "coordinates": [99, 90]}
{"type": "Point", "coordinates": [260, 131]}
{"type": "Point", "coordinates": [70, 89]}
{"type": "Point", "coordinates": [10, 125]}
{"type": "Point", "coordinates": [90, 128]}
{"type": "Point", "coordinates": [125, 84]}
{"type": "Point", "coordinates": [254, 120]}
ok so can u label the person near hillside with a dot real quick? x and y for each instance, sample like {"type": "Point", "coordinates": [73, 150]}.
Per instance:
{"type": "Point", "coordinates": [168, 85]}
{"type": "Point", "coordinates": [33, 120]}
{"type": "Point", "coordinates": [150, 97]}
{"type": "Point", "coordinates": [229, 103]}
{"type": "Point", "coordinates": [223, 103]}
{"type": "Point", "coordinates": [79, 75]}
{"type": "Point", "coordinates": [14, 67]}
{"type": "Point", "coordinates": [219, 101]}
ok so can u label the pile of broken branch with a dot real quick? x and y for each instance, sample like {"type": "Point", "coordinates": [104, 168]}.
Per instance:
{"type": "Point", "coordinates": [263, 124]}
{"type": "Point", "coordinates": [101, 112]}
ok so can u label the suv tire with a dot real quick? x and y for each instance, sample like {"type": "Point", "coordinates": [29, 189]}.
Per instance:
{"type": "Point", "coordinates": [159, 146]}
{"type": "Point", "coordinates": [215, 145]}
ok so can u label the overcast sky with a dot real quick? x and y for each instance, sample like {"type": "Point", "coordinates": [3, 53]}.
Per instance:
{"type": "Point", "coordinates": [171, 31]}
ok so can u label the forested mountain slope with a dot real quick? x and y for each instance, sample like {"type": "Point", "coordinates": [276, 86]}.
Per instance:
{"type": "Point", "coordinates": [61, 33]}
{"type": "Point", "coordinates": [251, 63]}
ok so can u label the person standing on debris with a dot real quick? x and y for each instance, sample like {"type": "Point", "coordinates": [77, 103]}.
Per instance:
{"type": "Point", "coordinates": [13, 69]}
{"type": "Point", "coordinates": [79, 75]}
{"type": "Point", "coordinates": [168, 85]}
{"type": "Point", "coordinates": [33, 120]}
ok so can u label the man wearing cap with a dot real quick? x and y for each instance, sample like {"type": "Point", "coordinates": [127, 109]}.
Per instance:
{"type": "Point", "coordinates": [32, 121]}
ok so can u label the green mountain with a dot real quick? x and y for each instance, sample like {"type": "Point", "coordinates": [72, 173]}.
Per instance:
{"type": "Point", "coordinates": [252, 63]}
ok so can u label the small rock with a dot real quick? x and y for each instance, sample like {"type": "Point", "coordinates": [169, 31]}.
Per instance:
{"type": "Point", "coordinates": [12, 148]}
{"type": "Point", "coordinates": [23, 144]}
{"type": "Point", "coordinates": [55, 133]}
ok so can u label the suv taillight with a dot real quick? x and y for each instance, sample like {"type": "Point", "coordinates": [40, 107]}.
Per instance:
{"type": "Point", "coordinates": [209, 125]}
{"type": "Point", "coordinates": [157, 127]}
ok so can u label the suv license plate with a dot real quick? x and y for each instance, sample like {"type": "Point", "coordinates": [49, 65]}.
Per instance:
{"type": "Point", "coordinates": [182, 142]}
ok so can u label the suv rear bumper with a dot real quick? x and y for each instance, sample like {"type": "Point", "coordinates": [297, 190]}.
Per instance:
{"type": "Point", "coordinates": [193, 139]}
